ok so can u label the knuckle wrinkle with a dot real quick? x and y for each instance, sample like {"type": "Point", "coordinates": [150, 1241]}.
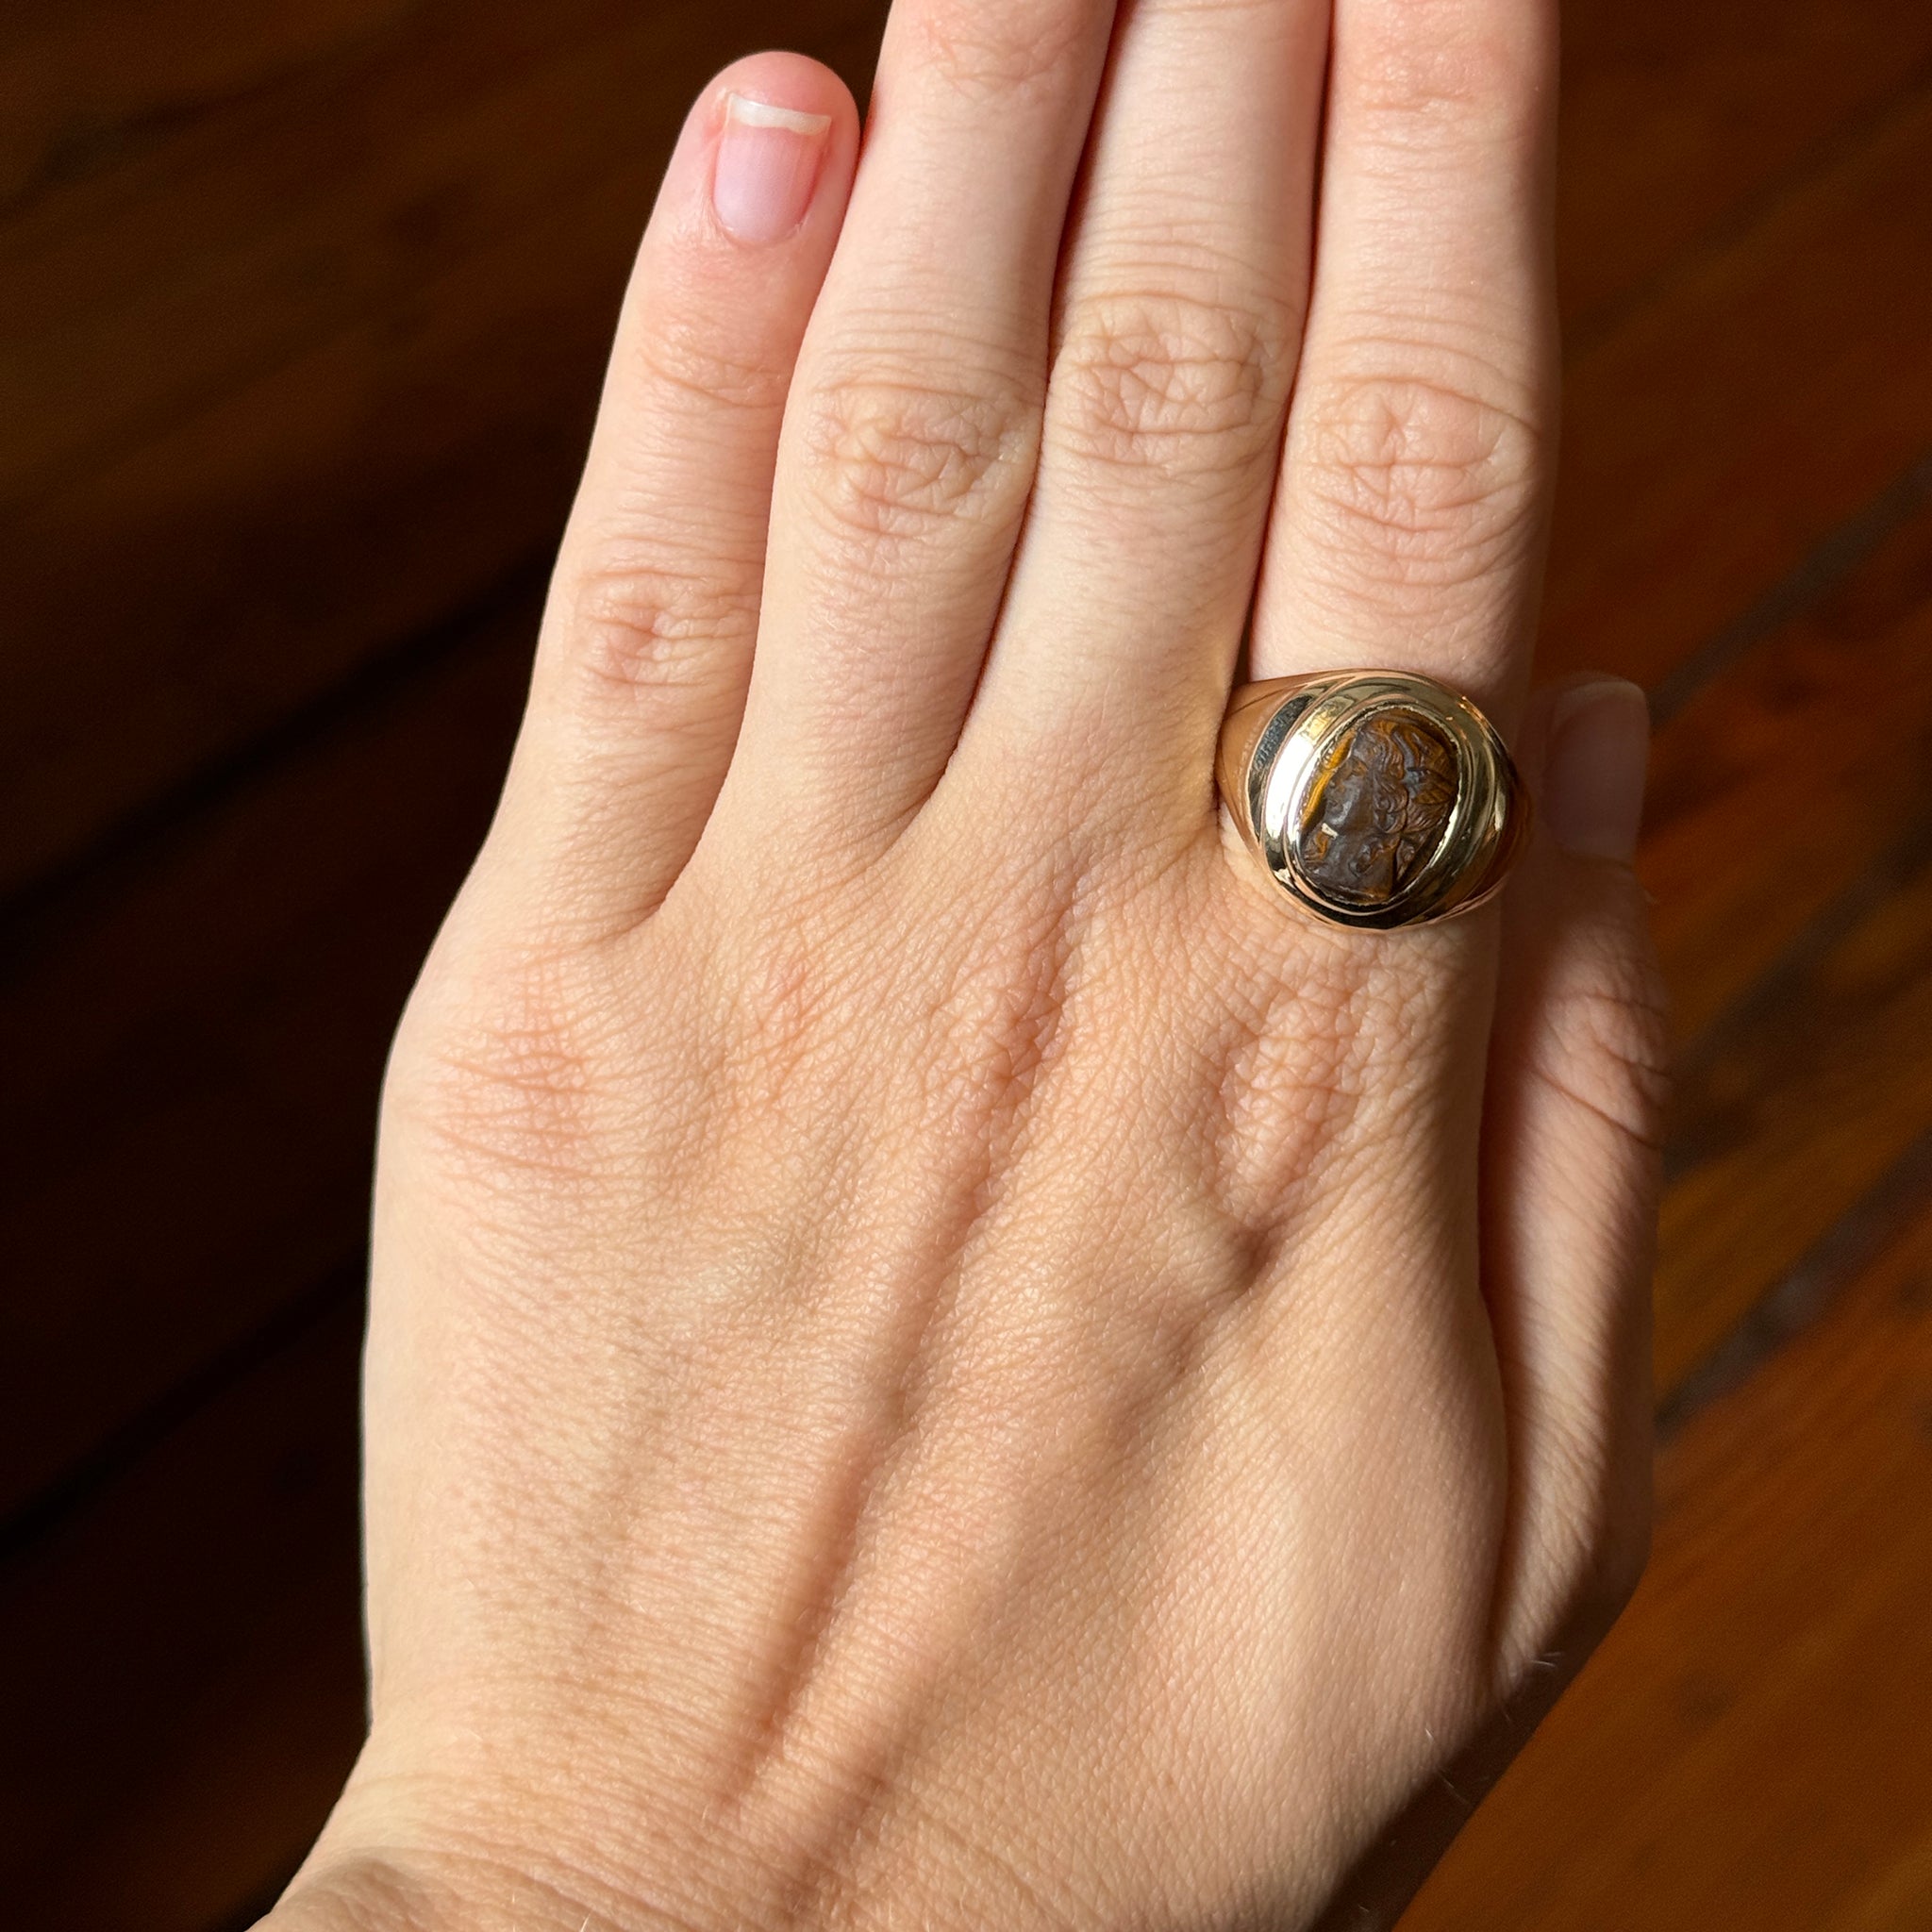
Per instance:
{"type": "Point", "coordinates": [988, 48]}
{"type": "Point", "coordinates": [890, 459]}
{"type": "Point", "coordinates": [1171, 385]}
{"type": "Point", "coordinates": [652, 633]}
{"type": "Point", "coordinates": [1432, 482]}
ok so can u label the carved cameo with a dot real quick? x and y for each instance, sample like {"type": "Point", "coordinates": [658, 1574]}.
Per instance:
{"type": "Point", "coordinates": [1377, 808]}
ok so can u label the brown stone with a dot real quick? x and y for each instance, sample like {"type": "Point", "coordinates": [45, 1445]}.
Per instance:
{"type": "Point", "coordinates": [1377, 808]}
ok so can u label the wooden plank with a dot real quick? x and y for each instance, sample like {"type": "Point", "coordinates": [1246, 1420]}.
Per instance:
{"type": "Point", "coordinates": [1790, 849]}
{"type": "Point", "coordinates": [306, 377]}
{"type": "Point", "coordinates": [1753, 1746]}
{"type": "Point", "coordinates": [181, 1667]}
{"type": "Point", "coordinates": [90, 84]}
{"type": "Point", "coordinates": [336, 189]}
{"type": "Point", "coordinates": [1791, 777]}
{"type": "Point", "coordinates": [1729, 427]}
{"type": "Point", "coordinates": [1678, 120]}
{"type": "Point", "coordinates": [1789, 1117]}
{"type": "Point", "coordinates": [199, 1143]}
{"type": "Point", "coordinates": [274, 573]}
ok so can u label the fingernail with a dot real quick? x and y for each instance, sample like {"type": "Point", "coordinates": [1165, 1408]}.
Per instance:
{"type": "Point", "coordinates": [767, 167]}
{"type": "Point", "coordinates": [1593, 771]}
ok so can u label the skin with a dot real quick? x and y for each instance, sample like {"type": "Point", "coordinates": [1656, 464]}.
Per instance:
{"type": "Point", "coordinates": [937, 1356]}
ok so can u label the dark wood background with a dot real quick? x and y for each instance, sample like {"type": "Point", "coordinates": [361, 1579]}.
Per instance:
{"type": "Point", "coordinates": [301, 307]}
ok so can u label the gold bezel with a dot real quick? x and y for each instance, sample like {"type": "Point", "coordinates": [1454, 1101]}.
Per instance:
{"type": "Point", "coordinates": [1275, 739]}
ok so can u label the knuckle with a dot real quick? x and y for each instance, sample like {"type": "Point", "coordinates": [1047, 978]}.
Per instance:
{"type": "Point", "coordinates": [1432, 61]}
{"type": "Point", "coordinates": [1168, 383]}
{"type": "Point", "coordinates": [1418, 482]}
{"type": "Point", "coordinates": [651, 635]}
{"type": "Point", "coordinates": [497, 1059]}
{"type": "Point", "coordinates": [996, 48]}
{"type": "Point", "coordinates": [889, 459]}
{"type": "Point", "coordinates": [692, 357]}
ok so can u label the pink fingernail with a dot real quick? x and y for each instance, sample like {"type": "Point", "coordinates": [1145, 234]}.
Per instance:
{"type": "Point", "coordinates": [767, 167]}
{"type": "Point", "coordinates": [1593, 772]}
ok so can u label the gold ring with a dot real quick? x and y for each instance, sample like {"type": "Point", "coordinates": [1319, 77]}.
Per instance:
{"type": "Point", "coordinates": [1371, 798]}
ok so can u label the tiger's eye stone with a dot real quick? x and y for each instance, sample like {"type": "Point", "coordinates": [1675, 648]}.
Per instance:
{"type": "Point", "coordinates": [1377, 808]}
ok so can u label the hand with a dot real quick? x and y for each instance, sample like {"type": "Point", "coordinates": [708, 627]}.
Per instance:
{"type": "Point", "coordinates": [938, 1357]}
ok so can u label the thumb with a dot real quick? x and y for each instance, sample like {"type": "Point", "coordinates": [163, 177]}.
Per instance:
{"type": "Point", "coordinates": [1573, 1119]}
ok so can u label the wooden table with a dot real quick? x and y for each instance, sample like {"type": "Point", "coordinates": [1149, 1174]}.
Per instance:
{"type": "Point", "coordinates": [301, 314]}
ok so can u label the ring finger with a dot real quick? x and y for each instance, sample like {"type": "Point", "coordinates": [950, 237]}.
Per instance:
{"type": "Point", "coordinates": [1408, 528]}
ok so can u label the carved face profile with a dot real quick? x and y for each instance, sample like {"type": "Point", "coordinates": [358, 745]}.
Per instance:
{"type": "Point", "coordinates": [1377, 808]}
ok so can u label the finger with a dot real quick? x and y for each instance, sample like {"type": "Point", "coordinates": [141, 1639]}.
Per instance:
{"type": "Point", "coordinates": [909, 448]}
{"type": "Point", "coordinates": [647, 639]}
{"type": "Point", "coordinates": [1179, 320]}
{"type": "Point", "coordinates": [1570, 1172]}
{"type": "Point", "coordinates": [1409, 520]}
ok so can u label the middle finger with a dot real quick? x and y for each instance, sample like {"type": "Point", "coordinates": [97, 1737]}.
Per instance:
{"type": "Point", "coordinates": [1179, 320]}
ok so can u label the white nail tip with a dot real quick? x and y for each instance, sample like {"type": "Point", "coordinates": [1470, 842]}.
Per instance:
{"type": "Point", "coordinates": [749, 113]}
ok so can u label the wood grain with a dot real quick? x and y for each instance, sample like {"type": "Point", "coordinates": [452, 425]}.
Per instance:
{"type": "Point", "coordinates": [1790, 847]}
{"type": "Point", "coordinates": [1682, 123]}
{"type": "Point", "coordinates": [195, 1695]}
{"type": "Point", "coordinates": [94, 84]}
{"type": "Point", "coordinates": [1729, 427]}
{"type": "Point", "coordinates": [300, 381]}
{"type": "Point", "coordinates": [1752, 1749]}
{"type": "Point", "coordinates": [1794, 776]}
{"type": "Point", "coordinates": [199, 1151]}
{"type": "Point", "coordinates": [1788, 1118]}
